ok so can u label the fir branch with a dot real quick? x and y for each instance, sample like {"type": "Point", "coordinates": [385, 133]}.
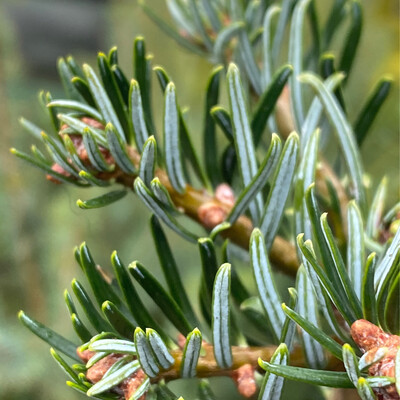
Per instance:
{"type": "Point", "coordinates": [282, 252]}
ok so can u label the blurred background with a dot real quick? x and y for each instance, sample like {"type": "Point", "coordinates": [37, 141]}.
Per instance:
{"type": "Point", "coordinates": [40, 223]}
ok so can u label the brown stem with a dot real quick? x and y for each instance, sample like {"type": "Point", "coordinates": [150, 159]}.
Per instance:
{"type": "Point", "coordinates": [282, 254]}
{"type": "Point", "coordinates": [207, 366]}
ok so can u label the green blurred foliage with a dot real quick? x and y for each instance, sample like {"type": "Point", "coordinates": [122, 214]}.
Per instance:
{"type": "Point", "coordinates": [40, 223]}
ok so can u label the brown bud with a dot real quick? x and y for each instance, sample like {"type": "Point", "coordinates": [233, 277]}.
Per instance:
{"type": "Point", "coordinates": [370, 338]}
{"type": "Point", "coordinates": [245, 381]}
{"type": "Point", "coordinates": [224, 194]}
{"type": "Point", "coordinates": [97, 371]}
{"type": "Point", "coordinates": [60, 170]}
{"type": "Point", "coordinates": [92, 122]}
{"type": "Point", "coordinates": [131, 384]}
{"type": "Point", "coordinates": [367, 335]}
{"type": "Point", "coordinates": [77, 141]}
{"type": "Point", "coordinates": [85, 355]}
{"type": "Point", "coordinates": [211, 214]}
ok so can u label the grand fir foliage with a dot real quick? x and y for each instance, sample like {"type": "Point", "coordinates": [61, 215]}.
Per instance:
{"type": "Point", "coordinates": [265, 180]}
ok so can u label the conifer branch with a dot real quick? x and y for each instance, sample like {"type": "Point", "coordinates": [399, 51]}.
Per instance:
{"type": "Point", "coordinates": [345, 299]}
{"type": "Point", "coordinates": [282, 253]}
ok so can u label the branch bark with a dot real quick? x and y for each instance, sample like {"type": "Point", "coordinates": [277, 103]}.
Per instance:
{"type": "Point", "coordinates": [283, 253]}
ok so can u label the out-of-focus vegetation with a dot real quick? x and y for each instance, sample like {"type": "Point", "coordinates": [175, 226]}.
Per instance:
{"type": "Point", "coordinates": [40, 223]}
